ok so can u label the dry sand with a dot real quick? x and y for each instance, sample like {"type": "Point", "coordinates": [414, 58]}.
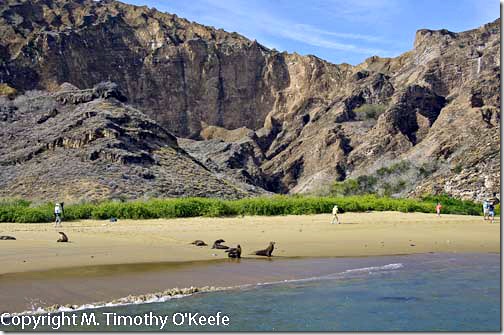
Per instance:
{"type": "Point", "coordinates": [94, 265]}
{"type": "Point", "coordinates": [142, 241]}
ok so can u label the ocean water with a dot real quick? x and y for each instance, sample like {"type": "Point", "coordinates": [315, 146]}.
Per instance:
{"type": "Point", "coordinates": [431, 292]}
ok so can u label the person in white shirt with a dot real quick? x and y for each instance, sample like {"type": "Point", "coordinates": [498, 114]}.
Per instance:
{"type": "Point", "coordinates": [335, 215]}
{"type": "Point", "coordinates": [485, 209]}
{"type": "Point", "coordinates": [57, 214]}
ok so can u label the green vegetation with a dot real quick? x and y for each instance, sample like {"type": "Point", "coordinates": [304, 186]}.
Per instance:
{"type": "Point", "coordinates": [392, 188]}
{"type": "Point", "coordinates": [383, 182]}
{"type": "Point", "coordinates": [457, 169]}
{"type": "Point", "coordinates": [399, 167]}
{"type": "Point", "coordinates": [367, 185]}
{"type": "Point", "coordinates": [24, 211]}
{"type": "Point", "coordinates": [369, 111]}
{"type": "Point", "coordinates": [392, 180]}
{"type": "Point", "coordinates": [361, 185]}
{"type": "Point", "coordinates": [427, 169]}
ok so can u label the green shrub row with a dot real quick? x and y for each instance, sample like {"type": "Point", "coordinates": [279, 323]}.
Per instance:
{"type": "Point", "coordinates": [23, 211]}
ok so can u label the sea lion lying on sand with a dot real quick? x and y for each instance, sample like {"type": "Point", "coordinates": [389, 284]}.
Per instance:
{"type": "Point", "coordinates": [63, 237]}
{"type": "Point", "coordinates": [266, 252]}
{"type": "Point", "coordinates": [217, 245]}
{"type": "Point", "coordinates": [234, 252]}
{"type": "Point", "coordinates": [199, 243]}
{"type": "Point", "coordinates": [7, 237]}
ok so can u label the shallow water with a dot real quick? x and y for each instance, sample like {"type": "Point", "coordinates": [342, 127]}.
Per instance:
{"type": "Point", "coordinates": [449, 292]}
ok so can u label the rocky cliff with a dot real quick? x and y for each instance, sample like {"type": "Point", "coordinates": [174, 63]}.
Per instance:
{"type": "Point", "coordinates": [277, 121]}
{"type": "Point", "coordinates": [87, 144]}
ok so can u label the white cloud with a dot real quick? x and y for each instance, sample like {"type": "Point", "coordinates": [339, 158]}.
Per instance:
{"type": "Point", "coordinates": [351, 36]}
{"type": "Point", "coordinates": [368, 11]}
{"type": "Point", "coordinates": [307, 34]}
{"type": "Point", "coordinates": [259, 22]}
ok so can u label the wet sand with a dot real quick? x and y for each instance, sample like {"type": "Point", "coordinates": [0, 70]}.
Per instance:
{"type": "Point", "coordinates": [104, 283]}
{"type": "Point", "coordinates": [156, 254]}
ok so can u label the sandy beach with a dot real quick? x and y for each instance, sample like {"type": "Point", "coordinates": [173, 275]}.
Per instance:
{"type": "Point", "coordinates": [100, 252]}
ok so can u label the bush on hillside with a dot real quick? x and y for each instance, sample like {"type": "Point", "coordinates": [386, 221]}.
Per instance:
{"type": "Point", "coordinates": [369, 111]}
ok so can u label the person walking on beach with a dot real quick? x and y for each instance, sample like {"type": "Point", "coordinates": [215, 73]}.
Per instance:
{"type": "Point", "coordinates": [492, 202]}
{"type": "Point", "coordinates": [438, 209]}
{"type": "Point", "coordinates": [485, 209]}
{"type": "Point", "coordinates": [491, 212]}
{"type": "Point", "coordinates": [57, 214]}
{"type": "Point", "coordinates": [335, 215]}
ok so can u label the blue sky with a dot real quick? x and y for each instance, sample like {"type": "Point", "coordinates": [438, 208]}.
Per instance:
{"type": "Point", "coordinates": [340, 31]}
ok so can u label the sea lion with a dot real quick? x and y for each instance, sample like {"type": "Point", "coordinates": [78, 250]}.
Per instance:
{"type": "Point", "coordinates": [266, 252]}
{"type": "Point", "coordinates": [63, 237]}
{"type": "Point", "coordinates": [199, 243]}
{"type": "Point", "coordinates": [234, 252]}
{"type": "Point", "coordinates": [217, 245]}
{"type": "Point", "coordinates": [7, 237]}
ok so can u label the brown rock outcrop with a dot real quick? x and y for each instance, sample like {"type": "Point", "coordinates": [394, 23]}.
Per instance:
{"type": "Point", "coordinates": [85, 145]}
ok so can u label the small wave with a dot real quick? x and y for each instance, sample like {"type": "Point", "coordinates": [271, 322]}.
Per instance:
{"type": "Point", "coordinates": [393, 266]}
{"type": "Point", "coordinates": [372, 269]}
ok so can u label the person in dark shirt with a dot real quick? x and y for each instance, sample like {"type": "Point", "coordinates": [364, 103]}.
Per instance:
{"type": "Point", "coordinates": [492, 202]}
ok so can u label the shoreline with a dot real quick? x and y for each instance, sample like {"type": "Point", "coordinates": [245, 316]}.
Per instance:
{"type": "Point", "coordinates": [73, 270]}
{"type": "Point", "coordinates": [107, 261]}
{"type": "Point", "coordinates": [171, 281]}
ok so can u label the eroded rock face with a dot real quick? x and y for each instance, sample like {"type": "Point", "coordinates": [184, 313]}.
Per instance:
{"type": "Point", "coordinates": [239, 161]}
{"type": "Point", "coordinates": [86, 144]}
{"type": "Point", "coordinates": [281, 122]}
{"type": "Point", "coordinates": [441, 111]}
{"type": "Point", "coordinates": [179, 73]}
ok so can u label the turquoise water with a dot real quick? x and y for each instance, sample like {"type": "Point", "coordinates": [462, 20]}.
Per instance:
{"type": "Point", "coordinates": [433, 292]}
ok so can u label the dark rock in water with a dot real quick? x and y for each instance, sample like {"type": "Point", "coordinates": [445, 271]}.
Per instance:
{"type": "Point", "coordinates": [7, 238]}
{"type": "Point", "coordinates": [399, 299]}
